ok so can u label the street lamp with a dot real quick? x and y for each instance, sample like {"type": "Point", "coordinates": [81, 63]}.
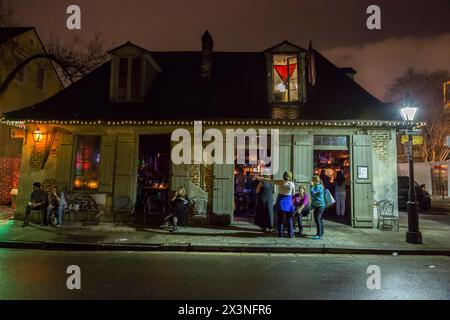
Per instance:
{"type": "Point", "coordinates": [409, 112]}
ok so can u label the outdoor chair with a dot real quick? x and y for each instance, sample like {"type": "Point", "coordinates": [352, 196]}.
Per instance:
{"type": "Point", "coordinates": [386, 216]}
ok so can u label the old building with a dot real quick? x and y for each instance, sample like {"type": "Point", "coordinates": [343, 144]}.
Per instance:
{"type": "Point", "coordinates": [33, 84]}
{"type": "Point", "coordinates": [109, 133]}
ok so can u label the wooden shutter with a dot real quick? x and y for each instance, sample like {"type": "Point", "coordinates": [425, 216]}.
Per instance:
{"type": "Point", "coordinates": [303, 166]}
{"type": "Point", "coordinates": [124, 181]}
{"type": "Point", "coordinates": [64, 162]}
{"type": "Point", "coordinates": [223, 189]}
{"type": "Point", "coordinates": [107, 163]}
{"type": "Point", "coordinates": [285, 156]}
{"type": "Point", "coordinates": [362, 190]}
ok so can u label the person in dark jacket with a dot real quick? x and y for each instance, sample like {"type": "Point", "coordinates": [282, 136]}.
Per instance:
{"type": "Point", "coordinates": [38, 201]}
{"type": "Point", "coordinates": [181, 205]}
{"type": "Point", "coordinates": [264, 206]}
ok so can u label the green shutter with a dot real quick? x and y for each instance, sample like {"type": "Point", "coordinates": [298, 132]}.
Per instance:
{"type": "Point", "coordinates": [64, 162]}
{"type": "Point", "coordinates": [124, 181]}
{"type": "Point", "coordinates": [179, 173]}
{"type": "Point", "coordinates": [303, 169]}
{"type": "Point", "coordinates": [285, 156]}
{"type": "Point", "coordinates": [107, 162]}
{"type": "Point", "coordinates": [362, 189]}
{"type": "Point", "coordinates": [223, 189]}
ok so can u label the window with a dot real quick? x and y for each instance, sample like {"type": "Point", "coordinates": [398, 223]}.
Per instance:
{"type": "Point", "coordinates": [447, 93]}
{"type": "Point", "coordinates": [87, 161]}
{"type": "Point", "coordinates": [123, 78]}
{"type": "Point", "coordinates": [285, 78]}
{"type": "Point", "coordinates": [129, 79]}
{"type": "Point", "coordinates": [135, 78]}
{"type": "Point", "coordinates": [40, 78]}
{"type": "Point", "coordinates": [330, 140]}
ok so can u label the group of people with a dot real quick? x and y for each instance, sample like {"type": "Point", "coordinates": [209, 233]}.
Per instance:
{"type": "Point", "coordinates": [52, 202]}
{"type": "Point", "coordinates": [290, 205]}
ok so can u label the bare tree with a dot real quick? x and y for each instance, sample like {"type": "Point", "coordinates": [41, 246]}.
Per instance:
{"type": "Point", "coordinates": [426, 90]}
{"type": "Point", "coordinates": [72, 61]}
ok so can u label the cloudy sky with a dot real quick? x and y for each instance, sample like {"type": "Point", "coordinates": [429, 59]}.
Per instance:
{"type": "Point", "coordinates": [414, 33]}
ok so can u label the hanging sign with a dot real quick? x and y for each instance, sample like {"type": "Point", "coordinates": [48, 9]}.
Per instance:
{"type": "Point", "coordinates": [417, 140]}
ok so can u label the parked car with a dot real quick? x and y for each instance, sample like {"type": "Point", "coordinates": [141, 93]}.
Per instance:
{"type": "Point", "coordinates": [422, 196]}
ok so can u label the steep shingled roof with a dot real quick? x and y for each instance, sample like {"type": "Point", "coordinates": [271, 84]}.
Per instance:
{"type": "Point", "coordinates": [237, 90]}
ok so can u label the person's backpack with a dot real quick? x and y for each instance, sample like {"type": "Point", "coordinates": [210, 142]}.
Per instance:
{"type": "Point", "coordinates": [329, 200]}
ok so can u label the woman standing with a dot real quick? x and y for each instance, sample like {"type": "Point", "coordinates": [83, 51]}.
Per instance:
{"type": "Point", "coordinates": [340, 193]}
{"type": "Point", "coordinates": [284, 203]}
{"type": "Point", "coordinates": [318, 204]}
{"type": "Point", "coordinates": [264, 206]}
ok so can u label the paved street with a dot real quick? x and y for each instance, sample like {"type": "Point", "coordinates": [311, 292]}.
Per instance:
{"type": "Point", "coordinates": [35, 274]}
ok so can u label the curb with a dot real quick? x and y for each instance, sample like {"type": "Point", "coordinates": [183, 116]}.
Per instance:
{"type": "Point", "coordinates": [186, 247]}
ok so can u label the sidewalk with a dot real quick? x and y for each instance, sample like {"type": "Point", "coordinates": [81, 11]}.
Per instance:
{"type": "Point", "coordinates": [240, 237]}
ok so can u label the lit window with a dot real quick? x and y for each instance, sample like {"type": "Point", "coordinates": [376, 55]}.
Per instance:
{"type": "Point", "coordinates": [285, 78]}
{"type": "Point", "coordinates": [447, 93]}
{"type": "Point", "coordinates": [87, 162]}
{"type": "Point", "coordinates": [40, 78]}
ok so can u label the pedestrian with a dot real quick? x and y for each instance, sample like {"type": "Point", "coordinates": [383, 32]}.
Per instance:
{"type": "Point", "coordinates": [181, 205]}
{"type": "Point", "coordinates": [264, 206]}
{"type": "Point", "coordinates": [38, 201]}
{"type": "Point", "coordinates": [56, 202]}
{"type": "Point", "coordinates": [318, 204]}
{"type": "Point", "coordinates": [326, 181]}
{"type": "Point", "coordinates": [301, 205]}
{"type": "Point", "coordinates": [340, 193]}
{"type": "Point", "coordinates": [284, 203]}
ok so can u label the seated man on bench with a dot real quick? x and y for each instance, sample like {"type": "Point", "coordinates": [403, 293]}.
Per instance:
{"type": "Point", "coordinates": [38, 201]}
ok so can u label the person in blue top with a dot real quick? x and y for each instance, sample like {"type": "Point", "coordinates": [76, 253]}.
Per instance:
{"type": "Point", "coordinates": [317, 204]}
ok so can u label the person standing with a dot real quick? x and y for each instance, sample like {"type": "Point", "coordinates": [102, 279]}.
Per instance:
{"type": "Point", "coordinates": [301, 205]}
{"type": "Point", "coordinates": [284, 203]}
{"type": "Point", "coordinates": [37, 202]}
{"type": "Point", "coordinates": [264, 206]}
{"type": "Point", "coordinates": [318, 204]}
{"type": "Point", "coordinates": [340, 193]}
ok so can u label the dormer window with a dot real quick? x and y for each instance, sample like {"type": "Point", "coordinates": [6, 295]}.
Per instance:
{"type": "Point", "coordinates": [133, 71]}
{"type": "Point", "coordinates": [285, 78]}
{"type": "Point", "coordinates": [129, 79]}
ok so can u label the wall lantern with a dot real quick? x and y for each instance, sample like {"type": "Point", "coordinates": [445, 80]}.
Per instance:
{"type": "Point", "coordinates": [38, 135]}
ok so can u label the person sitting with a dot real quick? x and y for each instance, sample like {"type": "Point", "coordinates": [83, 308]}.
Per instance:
{"type": "Point", "coordinates": [181, 205]}
{"type": "Point", "coordinates": [37, 202]}
{"type": "Point", "coordinates": [58, 203]}
{"type": "Point", "coordinates": [301, 205]}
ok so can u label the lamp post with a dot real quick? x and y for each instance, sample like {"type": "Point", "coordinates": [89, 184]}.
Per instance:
{"type": "Point", "coordinates": [409, 112]}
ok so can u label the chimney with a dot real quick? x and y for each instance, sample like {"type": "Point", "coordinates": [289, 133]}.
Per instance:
{"type": "Point", "coordinates": [207, 51]}
{"type": "Point", "coordinates": [349, 72]}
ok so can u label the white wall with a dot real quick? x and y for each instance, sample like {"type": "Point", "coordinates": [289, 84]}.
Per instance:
{"type": "Point", "coordinates": [385, 174]}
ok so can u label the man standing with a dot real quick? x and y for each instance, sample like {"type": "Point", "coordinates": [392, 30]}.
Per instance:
{"type": "Point", "coordinates": [37, 202]}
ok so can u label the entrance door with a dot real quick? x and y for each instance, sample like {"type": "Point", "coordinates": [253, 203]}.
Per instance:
{"type": "Point", "coordinates": [362, 178]}
{"type": "Point", "coordinates": [223, 190]}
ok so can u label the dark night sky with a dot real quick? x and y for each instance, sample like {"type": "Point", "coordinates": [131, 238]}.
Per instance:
{"type": "Point", "coordinates": [414, 32]}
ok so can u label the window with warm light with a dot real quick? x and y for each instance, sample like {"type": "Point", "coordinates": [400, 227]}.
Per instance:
{"type": "Point", "coordinates": [447, 94]}
{"type": "Point", "coordinates": [285, 78]}
{"type": "Point", "coordinates": [87, 163]}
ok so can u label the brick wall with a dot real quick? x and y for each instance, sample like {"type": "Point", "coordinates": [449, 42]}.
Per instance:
{"type": "Point", "coordinates": [380, 143]}
{"type": "Point", "coordinates": [9, 177]}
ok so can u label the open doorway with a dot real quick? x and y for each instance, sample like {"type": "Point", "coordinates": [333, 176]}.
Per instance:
{"type": "Point", "coordinates": [153, 174]}
{"type": "Point", "coordinates": [328, 164]}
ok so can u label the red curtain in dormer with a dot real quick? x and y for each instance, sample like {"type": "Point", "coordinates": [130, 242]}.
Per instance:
{"type": "Point", "coordinates": [282, 70]}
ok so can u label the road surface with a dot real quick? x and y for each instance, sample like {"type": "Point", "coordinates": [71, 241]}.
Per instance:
{"type": "Point", "coordinates": [39, 274]}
